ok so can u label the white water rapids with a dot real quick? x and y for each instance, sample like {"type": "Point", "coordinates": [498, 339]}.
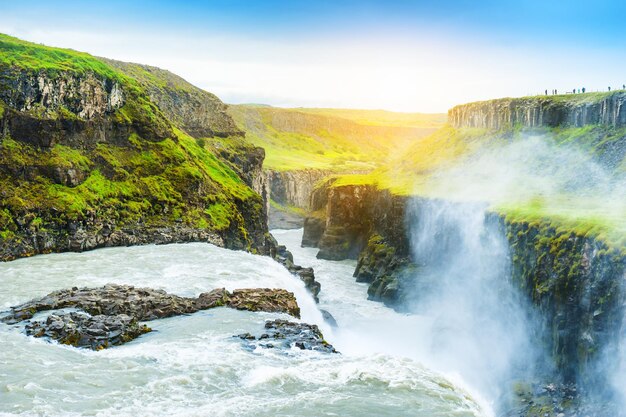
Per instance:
{"type": "Point", "coordinates": [192, 366]}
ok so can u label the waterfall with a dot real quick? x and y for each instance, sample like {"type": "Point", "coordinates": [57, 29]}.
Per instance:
{"type": "Point", "coordinates": [480, 325]}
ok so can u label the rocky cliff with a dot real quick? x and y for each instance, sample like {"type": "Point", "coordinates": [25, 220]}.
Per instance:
{"type": "Point", "coordinates": [574, 110]}
{"type": "Point", "coordinates": [98, 153]}
{"type": "Point", "coordinates": [575, 282]}
{"type": "Point", "coordinates": [353, 214]}
{"type": "Point", "coordinates": [197, 112]}
{"type": "Point", "coordinates": [294, 188]}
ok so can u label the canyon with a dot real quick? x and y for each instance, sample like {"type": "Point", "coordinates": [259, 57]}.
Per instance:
{"type": "Point", "coordinates": [99, 153]}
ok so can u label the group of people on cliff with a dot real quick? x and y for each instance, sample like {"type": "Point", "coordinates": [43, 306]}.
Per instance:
{"type": "Point", "coordinates": [555, 92]}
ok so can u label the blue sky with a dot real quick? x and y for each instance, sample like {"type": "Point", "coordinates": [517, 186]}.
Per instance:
{"type": "Point", "coordinates": [399, 55]}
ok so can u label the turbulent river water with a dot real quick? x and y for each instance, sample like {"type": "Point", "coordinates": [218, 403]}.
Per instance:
{"type": "Point", "coordinates": [192, 366]}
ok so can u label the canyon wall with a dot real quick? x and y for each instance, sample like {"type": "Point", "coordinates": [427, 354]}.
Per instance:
{"type": "Point", "coordinates": [294, 188]}
{"type": "Point", "coordinates": [575, 110]}
{"type": "Point", "coordinates": [575, 282]}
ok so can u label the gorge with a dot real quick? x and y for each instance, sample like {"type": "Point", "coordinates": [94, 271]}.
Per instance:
{"type": "Point", "coordinates": [474, 268]}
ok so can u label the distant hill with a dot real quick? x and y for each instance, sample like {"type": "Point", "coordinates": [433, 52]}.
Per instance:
{"type": "Point", "coordinates": [331, 139]}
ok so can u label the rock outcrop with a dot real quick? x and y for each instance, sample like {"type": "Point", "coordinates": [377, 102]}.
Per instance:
{"type": "Point", "coordinates": [286, 334]}
{"type": "Point", "coordinates": [294, 188]}
{"type": "Point", "coordinates": [350, 216]}
{"type": "Point", "coordinates": [197, 112]}
{"type": "Point", "coordinates": [88, 97]}
{"type": "Point", "coordinates": [387, 273]}
{"type": "Point", "coordinates": [110, 315]}
{"type": "Point", "coordinates": [577, 284]}
{"type": "Point", "coordinates": [86, 331]}
{"type": "Point", "coordinates": [550, 111]}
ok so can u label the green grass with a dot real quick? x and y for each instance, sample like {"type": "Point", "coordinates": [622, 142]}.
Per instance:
{"type": "Point", "coordinates": [382, 117]}
{"type": "Point", "coordinates": [578, 217]}
{"type": "Point", "coordinates": [157, 176]}
{"type": "Point", "coordinates": [124, 184]}
{"type": "Point", "coordinates": [330, 139]}
{"type": "Point", "coordinates": [33, 57]}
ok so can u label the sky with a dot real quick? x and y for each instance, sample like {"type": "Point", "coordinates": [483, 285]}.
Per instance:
{"type": "Point", "coordinates": [417, 56]}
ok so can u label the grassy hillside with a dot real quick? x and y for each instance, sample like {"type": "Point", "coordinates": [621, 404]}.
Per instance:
{"type": "Point", "coordinates": [17, 53]}
{"type": "Point", "coordinates": [382, 117]}
{"type": "Point", "coordinates": [135, 166]}
{"type": "Point", "coordinates": [331, 139]}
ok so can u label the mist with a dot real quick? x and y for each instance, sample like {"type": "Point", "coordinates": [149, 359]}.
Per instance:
{"type": "Point", "coordinates": [482, 326]}
{"type": "Point", "coordinates": [535, 168]}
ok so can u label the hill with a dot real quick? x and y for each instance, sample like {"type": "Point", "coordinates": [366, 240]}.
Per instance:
{"type": "Point", "coordinates": [337, 140]}
{"type": "Point", "coordinates": [95, 152]}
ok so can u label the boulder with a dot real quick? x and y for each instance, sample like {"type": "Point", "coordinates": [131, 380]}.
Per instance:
{"type": "Point", "coordinates": [285, 334]}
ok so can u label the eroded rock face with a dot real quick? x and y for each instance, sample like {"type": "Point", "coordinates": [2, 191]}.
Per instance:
{"type": "Point", "coordinates": [286, 334]}
{"type": "Point", "coordinates": [109, 315]}
{"type": "Point", "coordinates": [294, 188]}
{"type": "Point", "coordinates": [541, 112]}
{"type": "Point", "coordinates": [87, 96]}
{"type": "Point", "coordinates": [352, 214]}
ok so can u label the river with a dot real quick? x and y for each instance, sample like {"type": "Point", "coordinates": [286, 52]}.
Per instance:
{"type": "Point", "coordinates": [192, 366]}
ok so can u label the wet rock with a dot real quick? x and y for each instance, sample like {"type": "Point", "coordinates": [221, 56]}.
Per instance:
{"type": "Point", "coordinates": [264, 299]}
{"type": "Point", "coordinates": [555, 399]}
{"type": "Point", "coordinates": [281, 255]}
{"type": "Point", "coordinates": [83, 330]}
{"type": "Point", "coordinates": [285, 334]}
{"type": "Point", "coordinates": [139, 303]}
{"type": "Point", "coordinates": [328, 318]}
{"type": "Point", "coordinates": [109, 315]}
{"type": "Point", "coordinates": [149, 304]}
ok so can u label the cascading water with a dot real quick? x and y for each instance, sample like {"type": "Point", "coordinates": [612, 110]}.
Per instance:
{"type": "Point", "coordinates": [480, 325]}
{"type": "Point", "coordinates": [193, 366]}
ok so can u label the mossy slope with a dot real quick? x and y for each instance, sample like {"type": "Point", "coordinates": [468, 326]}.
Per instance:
{"type": "Point", "coordinates": [89, 150]}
